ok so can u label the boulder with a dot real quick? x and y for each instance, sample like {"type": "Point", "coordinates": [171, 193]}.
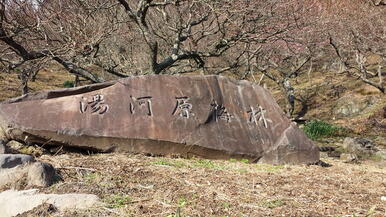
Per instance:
{"type": "Point", "coordinates": [13, 160]}
{"type": "Point", "coordinates": [360, 146]}
{"type": "Point", "coordinates": [204, 116]}
{"type": "Point", "coordinates": [13, 202]}
{"type": "Point", "coordinates": [37, 174]}
{"type": "Point", "coordinates": [41, 174]}
{"type": "Point", "coordinates": [349, 106]}
{"type": "Point", "coordinates": [349, 158]}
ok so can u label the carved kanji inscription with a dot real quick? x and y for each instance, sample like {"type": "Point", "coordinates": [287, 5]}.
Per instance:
{"type": "Point", "coordinates": [141, 105]}
{"type": "Point", "coordinates": [183, 108]}
{"type": "Point", "coordinates": [95, 105]}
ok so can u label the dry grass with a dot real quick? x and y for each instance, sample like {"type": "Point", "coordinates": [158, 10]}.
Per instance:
{"type": "Point", "coordinates": [53, 78]}
{"type": "Point", "coordinates": [136, 185]}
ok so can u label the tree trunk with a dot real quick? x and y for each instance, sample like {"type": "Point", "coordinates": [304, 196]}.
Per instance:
{"type": "Point", "coordinates": [24, 83]}
{"type": "Point", "coordinates": [76, 70]}
{"type": "Point", "coordinates": [290, 96]}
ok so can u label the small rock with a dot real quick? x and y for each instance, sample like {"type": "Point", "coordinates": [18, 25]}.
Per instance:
{"type": "Point", "coordinates": [323, 155]}
{"type": "Point", "coordinates": [383, 198]}
{"type": "Point", "coordinates": [350, 105]}
{"type": "Point", "coordinates": [380, 155]}
{"type": "Point", "coordinates": [14, 177]}
{"type": "Point", "coordinates": [360, 146]}
{"type": "Point", "coordinates": [381, 141]}
{"type": "Point", "coordinates": [349, 158]}
{"type": "Point", "coordinates": [41, 174]}
{"type": "Point", "coordinates": [13, 160]}
{"type": "Point", "coordinates": [17, 202]}
{"type": "Point", "coordinates": [335, 154]}
{"type": "Point", "coordinates": [379, 2]}
{"type": "Point", "coordinates": [15, 145]}
{"type": "Point", "coordinates": [35, 151]}
{"type": "Point", "coordinates": [2, 147]}
{"type": "Point", "coordinates": [35, 174]}
{"type": "Point", "coordinates": [21, 148]}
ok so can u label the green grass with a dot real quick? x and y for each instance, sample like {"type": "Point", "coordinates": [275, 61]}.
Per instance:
{"type": "Point", "coordinates": [68, 84]}
{"type": "Point", "coordinates": [117, 201]}
{"type": "Point", "coordinates": [378, 157]}
{"type": "Point", "coordinates": [195, 163]}
{"type": "Point", "coordinates": [269, 167]}
{"type": "Point", "coordinates": [241, 166]}
{"type": "Point", "coordinates": [242, 160]}
{"type": "Point", "coordinates": [92, 177]}
{"type": "Point", "coordinates": [169, 162]}
{"type": "Point", "coordinates": [226, 205]}
{"type": "Point", "coordinates": [207, 164]}
{"type": "Point", "coordinates": [272, 204]}
{"type": "Point", "coordinates": [316, 129]}
{"type": "Point", "coordinates": [182, 202]}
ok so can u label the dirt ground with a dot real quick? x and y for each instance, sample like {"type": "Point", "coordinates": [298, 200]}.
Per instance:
{"type": "Point", "coordinates": [138, 185]}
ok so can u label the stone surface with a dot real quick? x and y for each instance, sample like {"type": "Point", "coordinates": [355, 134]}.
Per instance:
{"type": "Point", "coordinates": [13, 202]}
{"type": "Point", "coordinates": [41, 174]}
{"type": "Point", "coordinates": [360, 146]}
{"type": "Point", "coordinates": [13, 160]}
{"type": "Point", "coordinates": [379, 2]}
{"type": "Point", "coordinates": [14, 177]}
{"type": "Point", "coordinates": [204, 116]}
{"type": "Point", "coordinates": [349, 106]}
{"type": "Point", "coordinates": [349, 158]}
{"type": "Point", "coordinates": [33, 150]}
{"type": "Point", "coordinates": [37, 174]}
{"type": "Point", "coordinates": [380, 141]}
{"type": "Point", "coordinates": [15, 145]}
{"type": "Point", "coordinates": [380, 155]}
{"type": "Point", "coordinates": [2, 147]}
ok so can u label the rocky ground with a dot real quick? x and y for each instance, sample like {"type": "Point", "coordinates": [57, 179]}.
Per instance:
{"type": "Point", "coordinates": [138, 185]}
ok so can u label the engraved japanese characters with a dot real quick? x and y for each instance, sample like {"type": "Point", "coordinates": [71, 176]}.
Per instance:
{"type": "Point", "coordinates": [182, 108]}
{"type": "Point", "coordinates": [203, 116]}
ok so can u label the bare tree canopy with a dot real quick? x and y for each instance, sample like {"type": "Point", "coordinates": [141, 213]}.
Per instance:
{"type": "Point", "coordinates": [123, 37]}
{"type": "Point", "coordinates": [100, 40]}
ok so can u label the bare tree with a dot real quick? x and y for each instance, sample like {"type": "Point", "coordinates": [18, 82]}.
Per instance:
{"type": "Point", "coordinates": [185, 34]}
{"type": "Point", "coordinates": [33, 33]}
{"type": "Point", "coordinates": [355, 40]}
{"type": "Point", "coordinates": [284, 56]}
{"type": "Point", "coordinates": [135, 36]}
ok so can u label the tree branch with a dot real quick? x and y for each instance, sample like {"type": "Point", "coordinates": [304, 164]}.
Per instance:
{"type": "Point", "coordinates": [74, 69]}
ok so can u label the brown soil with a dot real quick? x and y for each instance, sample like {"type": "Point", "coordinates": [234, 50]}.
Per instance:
{"type": "Point", "coordinates": [43, 210]}
{"type": "Point", "coordinates": [136, 185]}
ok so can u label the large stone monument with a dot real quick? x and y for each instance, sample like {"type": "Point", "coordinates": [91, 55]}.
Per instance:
{"type": "Point", "coordinates": [203, 116]}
